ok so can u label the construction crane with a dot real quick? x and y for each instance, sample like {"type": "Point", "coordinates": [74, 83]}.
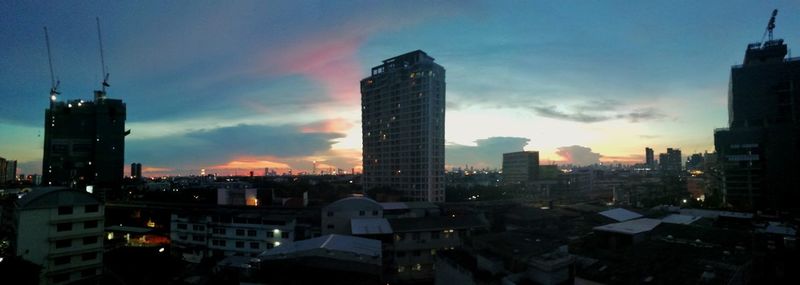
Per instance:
{"type": "Point", "coordinates": [770, 27]}
{"type": "Point", "coordinates": [53, 82]}
{"type": "Point", "coordinates": [102, 59]}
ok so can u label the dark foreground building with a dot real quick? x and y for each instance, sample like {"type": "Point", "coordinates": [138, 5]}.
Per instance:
{"type": "Point", "coordinates": [760, 150]}
{"type": "Point", "coordinates": [402, 114]}
{"type": "Point", "coordinates": [84, 143]}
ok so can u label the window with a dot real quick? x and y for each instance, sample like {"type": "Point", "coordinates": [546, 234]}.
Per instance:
{"type": "Point", "coordinates": [375, 213]}
{"type": "Point", "coordinates": [417, 267]}
{"type": "Point", "coordinates": [417, 253]}
{"type": "Point", "coordinates": [88, 273]}
{"type": "Point", "coordinates": [64, 227]}
{"type": "Point", "coordinates": [219, 231]}
{"type": "Point", "coordinates": [89, 224]}
{"type": "Point", "coordinates": [89, 240]}
{"type": "Point", "coordinates": [63, 243]}
{"type": "Point", "coordinates": [218, 242]}
{"type": "Point", "coordinates": [198, 238]}
{"type": "Point", "coordinates": [181, 226]}
{"type": "Point", "coordinates": [89, 256]}
{"type": "Point", "coordinates": [435, 235]}
{"type": "Point", "coordinates": [330, 214]}
{"type": "Point", "coordinates": [269, 245]}
{"type": "Point", "coordinates": [92, 208]}
{"type": "Point", "coordinates": [361, 213]}
{"type": "Point", "coordinates": [415, 236]}
{"type": "Point", "coordinates": [239, 244]}
{"type": "Point", "coordinates": [270, 234]}
{"type": "Point", "coordinates": [198, 227]}
{"type": "Point", "coordinates": [65, 210]}
{"type": "Point", "coordinates": [61, 260]}
{"type": "Point", "coordinates": [254, 245]}
{"type": "Point", "coordinates": [239, 232]}
{"type": "Point", "coordinates": [400, 236]}
{"type": "Point", "coordinates": [330, 226]}
{"type": "Point", "coordinates": [60, 278]}
{"type": "Point", "coordinates": [401, 254]}
{"type": "Point", "coordinates": [251, 233]}
{"type": "Point", "coordinates": [401, 269]}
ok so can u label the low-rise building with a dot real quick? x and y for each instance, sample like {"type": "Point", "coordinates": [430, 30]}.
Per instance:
{"type": "Point", "coordinates": [61, 230]}
{"type": "Point", "coordinates": [336, 216]}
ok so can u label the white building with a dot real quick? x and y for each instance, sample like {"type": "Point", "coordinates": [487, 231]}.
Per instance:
{"type": "Point", "coordinates": [336, 216]}
{"type": "Point", "coordinates": [228, 233]}
{"type": "Point", "coordinates": [61, 230]}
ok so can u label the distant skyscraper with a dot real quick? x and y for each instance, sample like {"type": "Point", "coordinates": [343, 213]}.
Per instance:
{"type": "Point", "coordinates": [760, 150]}
{"type": "Point", "coordinates": [8, 170]}
{"type": "Point", "coordinates": [136, 170]}
{"type": "Point", "coordinates": [670, 162]}
{"type": "Point", "coordinates": [695, 162]}
{"type": "Point", "coordinates": [402, 114]}
{"type": "Point", "coordinates": [84, 143]}
{"type": "Point", "coordinates": [520, 167]}
{"type": "Point", "coordinates": [649, 158]}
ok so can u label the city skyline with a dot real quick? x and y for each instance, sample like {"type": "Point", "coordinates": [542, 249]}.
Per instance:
{"type": "Point", "coordinates": [266, 92]}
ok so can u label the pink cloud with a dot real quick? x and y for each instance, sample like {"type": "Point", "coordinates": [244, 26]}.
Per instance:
{"type": "Point", "coordinates": [336, 125]}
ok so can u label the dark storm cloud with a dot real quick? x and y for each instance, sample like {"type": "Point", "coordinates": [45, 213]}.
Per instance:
{"type": "Point", "coordinates": [217, 146]}
{"type": "Point", "coordinates": [487, 153]}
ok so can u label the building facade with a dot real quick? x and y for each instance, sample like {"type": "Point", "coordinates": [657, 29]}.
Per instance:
{"type": "Point", "coordinates": [336, 216]}
{"type": "Point", "coordinates": [761, 146]}
{"type": "Point", "coordinates": [403, 113]}
{"type": "Point", "coordinates": [649, 158]}
{"type": "Point", "coordinates": [8, 171]}
{"type": "Point", "coordinates": [61, 230]}
{"type": "Point", "coordinates": [136, 170]}
{"type": "Point", "coordinates": [232, 232]}
{"type": "Point", "coordinates": [84, 143]}
{"type": "Point", "coordinates": [670, 162]}
{"type": "Point", "coordinates": [520, 167]}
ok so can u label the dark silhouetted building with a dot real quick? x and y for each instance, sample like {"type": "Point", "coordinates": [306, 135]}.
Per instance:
{"type": "Point", "coordinates": [136, 170]}
{"type": "Point", "coordinates": [649, 158]}
{"type": "Point", "coordinates": [520, 167]}
{"type": "Point", "coordinates": [8, 171]}
{"type": "Point", "coordinates": [695, 162]}
{"type": "Point", "coordinates": [402, 113]}
{"type": "Point", "coordinates": [84, 143]}
{"type": "Point", "coordinates": [760, 149]}
{"type": "Point", "coordinates": [670, 162]}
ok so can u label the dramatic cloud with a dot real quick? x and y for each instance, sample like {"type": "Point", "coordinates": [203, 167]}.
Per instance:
{"type": "Point", "coordinates": [487, 153]}
{"type": "Point", "coordinates": [578, 155]}
{"type": "Point", "coordinates": [230, 146]}
{"type": "Point", "coordinates": [599, 113]}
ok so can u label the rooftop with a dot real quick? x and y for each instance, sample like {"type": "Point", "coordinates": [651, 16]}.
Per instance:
{"type": "Point", "coordinates": [370, 226]}
{"type": "Point", "coordinates": [630, 227]}
{"type": "Point", "coordinates": [680, 219]}
{"type": "Point", "coordinates": [437, 223]}
{"type": "Point", "coordinates": [620, 214]}
{"type": "Point", "coordinates": [356, 245]}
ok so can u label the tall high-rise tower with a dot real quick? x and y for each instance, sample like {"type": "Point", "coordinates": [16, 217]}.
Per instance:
{"type": "Point", "coordinates": [84, 143]}
{"type": "Point", "coordinates": [760, 150]}
{"type": "Point", "coordinates": [402, 115]}
{"type": "Point", "coordinates": [649, 158]}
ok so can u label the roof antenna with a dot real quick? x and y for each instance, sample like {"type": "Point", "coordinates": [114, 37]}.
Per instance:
{"type": "Point", "coordinates": [102, 60]}
{"type": "Point", "coordinates": [53, 83]}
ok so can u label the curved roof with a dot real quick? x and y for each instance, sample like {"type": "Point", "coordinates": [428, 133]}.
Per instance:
{"type": "Point", "coordinates": [355, 200]}
{"type": "Point", "coordinates": [49, 197]}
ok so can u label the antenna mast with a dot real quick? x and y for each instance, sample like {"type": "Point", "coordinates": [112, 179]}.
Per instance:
{"type": "Point", "coordinates": [102, 58]}
{"type": "Point", "coordinates": [53, 83]}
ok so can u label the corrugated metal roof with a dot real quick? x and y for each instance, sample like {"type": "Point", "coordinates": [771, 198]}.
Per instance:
{"type": "Point", "coordinates": [680, 219]}
{"type": "Point", "coordinates": [357, 245]}
{"type": "Point", "coordinates": [620, 214]}
{"type": "Point", "coordinates": [370, 226]}
{"type": "Point", "coordinates": [630, 227]}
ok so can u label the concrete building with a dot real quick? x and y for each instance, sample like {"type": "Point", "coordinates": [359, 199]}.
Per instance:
{"type": "Point", "coordinates": [336, 216]}
{"type": "Point", "coordinates": [136, 170]}
{"type": "Point", "coordinates": [84, 143]}
{"type": "Point", "coordinates": [416, 242]}
{"type": "Point", "coordinates": [520, 167]}
{"type": "Point", "coordinates": [403, 113]}
{"type": "Point", "coordinates": [761, 146]}
{"type": "Point", "coordinates": [61, 230]}
{"type": "Point", "coordinates": [670, 162]}
{"type": "Point", "coordinates": [649, 158]}
{"type": "Point", "coordinates": [8, 171]}
{"type": "Point", "coordinates": [228, 232]}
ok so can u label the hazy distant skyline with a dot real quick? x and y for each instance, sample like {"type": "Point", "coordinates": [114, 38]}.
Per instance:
{"type": "Point", "coordinates": [246, 85]}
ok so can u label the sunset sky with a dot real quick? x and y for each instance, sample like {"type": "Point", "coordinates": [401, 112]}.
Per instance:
{"type": "Point", "coordinates": [233, 86]}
